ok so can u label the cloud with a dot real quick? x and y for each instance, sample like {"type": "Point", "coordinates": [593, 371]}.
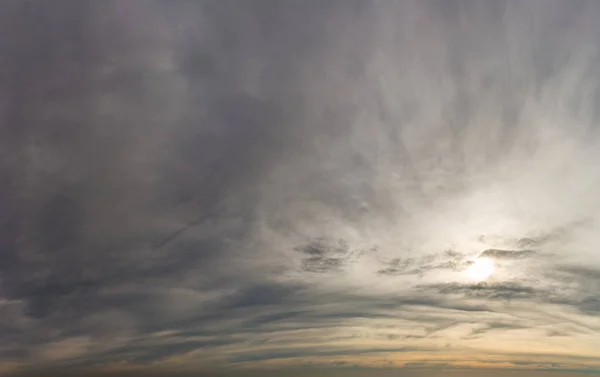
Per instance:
{"type": "Point", "coordinates": [265, 184]}
{"type": "Point", "coordinates": [273, 354]}
{"type": "Point", "coordinates": [507, 254]}
{"type": "Point", "coordinates": [492, 291]}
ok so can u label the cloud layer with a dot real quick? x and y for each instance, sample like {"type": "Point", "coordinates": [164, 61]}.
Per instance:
{"type": "Point", "coordinates": [299, 184]}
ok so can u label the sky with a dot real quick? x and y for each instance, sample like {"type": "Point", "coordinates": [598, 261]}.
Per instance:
{"type": "Point", "coordinates": [300, 188]}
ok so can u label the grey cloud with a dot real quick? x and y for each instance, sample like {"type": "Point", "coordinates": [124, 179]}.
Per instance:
{"type": "Point", "coordinates": [275, 354]}
{"type": "Point", "coordinates": [262, 295]}
{"type": "Point", "coordinates": [503, 291]}
{"type": "Point", "coordinates": [426, 365]}
{"type": "Point", "coordinates": [581, 287]}
{"type": "Point", "coordinates": [448, 260]}
{"type": "Point", "coordinates": [274, 318]}
{"type": "Point", "coordinates": [584, 274]}
{"type": "Point", "coordinates": [507, 254]}
{"type": "Point", "coordinates": [326, 256]}
{"type": "Point", "coordinates": [487, 327]}
{"type": "Point", "coordinates": [398, 266]}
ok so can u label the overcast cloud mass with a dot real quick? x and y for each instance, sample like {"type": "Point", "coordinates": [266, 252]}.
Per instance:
{"type": "Point", "coordinates": [306, 187]}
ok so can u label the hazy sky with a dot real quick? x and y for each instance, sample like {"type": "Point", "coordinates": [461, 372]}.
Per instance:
{"type": "Point", "coordinates": [307, 187]}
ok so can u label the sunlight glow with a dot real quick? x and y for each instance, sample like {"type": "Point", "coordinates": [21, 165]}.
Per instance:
{"type": "Point", "coordinates": [481, 269]}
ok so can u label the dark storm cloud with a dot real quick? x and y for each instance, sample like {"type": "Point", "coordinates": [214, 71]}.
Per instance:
{"type": "Point", "coordinates": [81, 227]}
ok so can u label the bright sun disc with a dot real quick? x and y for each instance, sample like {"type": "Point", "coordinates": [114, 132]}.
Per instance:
{"type": "Point", "coordinates": [481, 269]}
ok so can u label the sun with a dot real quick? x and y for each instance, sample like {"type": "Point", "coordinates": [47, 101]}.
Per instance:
{"type": "Point", "coordinates": [481, 269]}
